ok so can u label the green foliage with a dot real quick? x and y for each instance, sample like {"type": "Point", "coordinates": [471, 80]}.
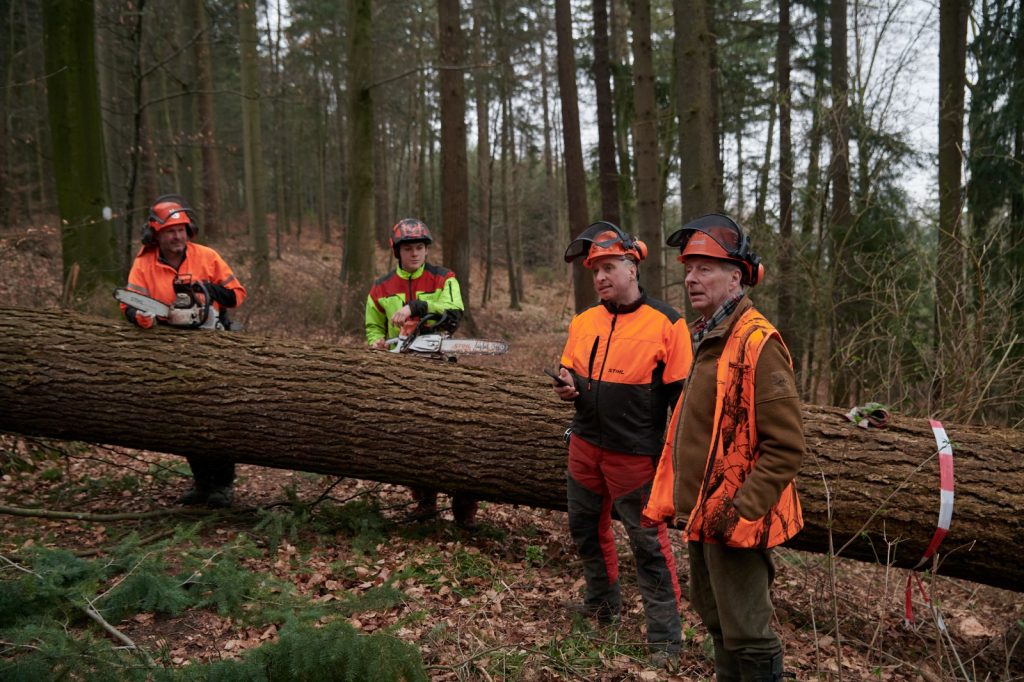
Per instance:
{"type": "Point", "coordinates": [379, 598]}
{"type": "Point", "coordinates": [360, 520]}
{"type": "Point", "coordinates": [535, 555]}
{"type": "Point", "coordinates": [275, 525]}
{"type": "Point", "coordinates": [56, 575]}
{"type": "Point", "coordinates": [308, 654]}
{"type": "Point", "coordinates": [146, 589]}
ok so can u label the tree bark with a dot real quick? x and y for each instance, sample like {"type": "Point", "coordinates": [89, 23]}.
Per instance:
{"type": "Point", "coordinates": [357, 266]}
{"type": "Point", "coordinates": [608, 174]}
{"type": "Point", "coordinates": [211, 155]}
{"type": "Point", "coordinates": [454, 171]}
{"type": "Point", "coordinates": [645, 145]}
{"type": "Point", "coordinates": [788, 274]}
{"type": "Point", "coordinates": [338, 410]}
{"type": "Point", "coordinates": [695, 93]}
{"type": "Point", "coordinates": [252, 141]}
{"type": "Point", "coordinates": [88, 240]}
{"type": "Point", "coordinates": [950, 314]}
{"type": "Point", "coordinates": [841, 218]}
{"type": "Point", "coordinates": [575, 175]}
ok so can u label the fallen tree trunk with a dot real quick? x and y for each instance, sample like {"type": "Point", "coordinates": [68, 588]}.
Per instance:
{"type": "Point", "coordinates": [399, 419]}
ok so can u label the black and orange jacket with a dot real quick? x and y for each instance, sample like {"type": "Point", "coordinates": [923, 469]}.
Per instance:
{"type": "Point", "coordinates": [628, 363]}
{"type": "Point", "coordinates": [152, 276]}
{"type": "Point", "coordinates": [735, 442]}
{"type": "Point", "coordinates": [431, 289]}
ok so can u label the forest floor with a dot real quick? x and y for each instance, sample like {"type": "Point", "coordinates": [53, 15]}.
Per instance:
{"type": "Point", "coordinates": [312, 550]}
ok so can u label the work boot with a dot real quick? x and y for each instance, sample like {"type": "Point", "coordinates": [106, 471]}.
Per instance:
{"type": "Point", "coordinates": [464, 510]}
{"type": "Point", "coordinates": [763, 669]}
{"type": "Point", "coordinates": [220, 498]}
{"type": "Point", "coordinates": [604, 613]}
{"type": "Point", "coordinates": [194, 496]}
{"type": "Point", "coordinates": [727, 665]}
{"type": "Point", "coordinates": [664, 656]}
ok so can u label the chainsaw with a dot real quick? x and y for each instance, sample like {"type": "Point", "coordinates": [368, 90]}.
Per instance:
{"type": "Point", "coordinates": [192, 307]}
{"type": "Point", "coordinates": [431, 336]}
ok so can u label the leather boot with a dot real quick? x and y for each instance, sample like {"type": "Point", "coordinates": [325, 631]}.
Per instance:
{"type": "Point", "coordinates": [763, 669]}
{"type": "Point", "coordinates": [220, 498]}
{"type": "Point", "coordinates": [194, 496]}
{"type": "Point", "coordinates": [727, 665]}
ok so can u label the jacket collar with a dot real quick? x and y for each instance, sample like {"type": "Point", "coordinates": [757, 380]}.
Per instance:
{"type": "Point", "coordinates": [616, 309]}
{"type": "Point", "coordinates": [410, 275]}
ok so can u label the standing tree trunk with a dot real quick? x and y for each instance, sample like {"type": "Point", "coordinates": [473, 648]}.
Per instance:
{"type": "Point", "coordinates": [88, 238]}
{"type": "Point", "coordinates": [357, 266]}
{"type": "Point", "coordinates": [645, 143]}
{"type": "Point", "coordinates": [608, 174]}
{"type": "Point", "coordinates": [698, 135]}
{"type": "Point", "coordinates": [252, 140]}
{"type": "Point", "coordinates": [211, 156]}
{"type": "Point", "coordinates": [841, 219]}
{"type": "Point", "coordinates": [623, 102]}
{"type": "Point", "coordinates": [482, 83]}
{"type": "Point", "coordinates": [454, 175]}
{"type": "Point", "coordinates": [551, 199]}
{"type": "Point", "coordinates": [949, 302]}
{"type": "Point", "coordinates": [316, 408]}
{"type": "Point", "coordinates": [575, 176]}
{"type": "Point", "coordinates": [787, 270]}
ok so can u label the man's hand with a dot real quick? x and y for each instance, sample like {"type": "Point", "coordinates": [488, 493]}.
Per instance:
{"type": "Point", "coordinates": [401, 315]}
{"type": "Point", "coordinates": [565, 390]}
{"type": "Point", "coordinates": [379, 344]}
{"type": "Point", "coordinates": [145, 320]}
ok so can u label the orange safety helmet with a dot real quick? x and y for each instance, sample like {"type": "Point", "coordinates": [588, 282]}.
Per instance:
{"type": "Point", "coordinates": [718, 236]}
{"type": "Point", "coordinates": [602, 239]}
{"type": "Point", "coordinates": [168, 210]}
{"type": "Point", "coordinates": [409, 230]}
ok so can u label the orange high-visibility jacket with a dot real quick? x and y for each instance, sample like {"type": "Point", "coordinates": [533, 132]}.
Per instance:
{"type": "Point", "coordinates": [733, 453]}
{"type": "Point", "coordinates": [628, 363]}
{"type": "Point", "coordinates": [154, 277]}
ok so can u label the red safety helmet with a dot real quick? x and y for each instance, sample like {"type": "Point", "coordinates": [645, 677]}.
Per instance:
{"type": "Point", "coordinates": [409, 230]}
{"type": "Point", "coordinates": [168, 210]}
{"type": "Point", "coordinates": [602, 239]}
{"type": "Point", "coordinates": [718, 236]}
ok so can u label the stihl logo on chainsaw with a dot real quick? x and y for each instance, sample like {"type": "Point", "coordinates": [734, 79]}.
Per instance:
{"type": "Point", "coordinates": [192, 307]}
{"type": "Point", "coordinates": [430, 336]}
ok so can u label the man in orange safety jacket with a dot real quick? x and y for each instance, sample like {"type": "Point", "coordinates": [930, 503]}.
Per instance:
{"type": "Point", "coordinates": [168, 256]}
{"type": "Point", "coordinates": [622, 368]}
{"type": "Point", "coordinates": [733, 449]}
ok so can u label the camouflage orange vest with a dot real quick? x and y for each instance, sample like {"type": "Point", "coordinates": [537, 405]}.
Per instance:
{"type": "Point", "coordinates": [732, 455]}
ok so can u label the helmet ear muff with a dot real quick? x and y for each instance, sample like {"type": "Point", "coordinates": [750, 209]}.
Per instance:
{"type": "Point", "coordinates": [640, 248]}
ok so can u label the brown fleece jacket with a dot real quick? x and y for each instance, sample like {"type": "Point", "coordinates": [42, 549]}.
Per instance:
{"type": "Point", "coordinates": [780, 432]}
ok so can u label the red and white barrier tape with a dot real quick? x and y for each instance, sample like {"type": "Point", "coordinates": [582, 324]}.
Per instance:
{"type": "Point", "coordinates": [945, 450]}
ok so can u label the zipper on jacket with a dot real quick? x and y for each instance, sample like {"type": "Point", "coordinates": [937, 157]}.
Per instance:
{"type": "Point", "coordinates": [590, 367]}
{"type": "Point", "coordinates": [604, 361]}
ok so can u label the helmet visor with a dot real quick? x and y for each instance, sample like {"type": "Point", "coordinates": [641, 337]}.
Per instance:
{"type": "Point", "coordinates": [721, 229]}
{"type": "Point", "coordinates": [602, 234]}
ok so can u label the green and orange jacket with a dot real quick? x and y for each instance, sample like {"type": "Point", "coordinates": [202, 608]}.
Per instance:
{"type": "Point", "coordinates": [153, 276]}
{"type": "Point", "coordinates": [736, 441]}
{"type": "Point", "coordinates": [431, 289]}
{"type": "Point", "coordinates": [628, 363]}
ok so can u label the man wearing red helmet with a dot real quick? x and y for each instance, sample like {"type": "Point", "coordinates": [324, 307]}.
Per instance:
{"type": "Point", "coordinates": [732, 451]}
{"type": "Point", "coordinates": [622, 369]}
{"type": "Point", "coordinates": [167, 255]}
{"type": "Point", "coordinates": [403, 296]}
